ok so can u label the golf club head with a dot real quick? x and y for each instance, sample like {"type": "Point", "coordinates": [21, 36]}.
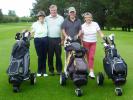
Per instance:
{"type": "Point", "coordinates": [111, 37]}
{"type": "Point", "coordinates": [18, 36]}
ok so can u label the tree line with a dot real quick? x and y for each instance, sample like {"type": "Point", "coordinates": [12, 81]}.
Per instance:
{"type": "Point", "coordinates": [108, 13]}
{"type": "Point", "coordinates": [12, 17]}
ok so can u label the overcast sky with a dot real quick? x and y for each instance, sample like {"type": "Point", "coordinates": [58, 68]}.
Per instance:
{"type": "Point", "coordinates": [21, 7]}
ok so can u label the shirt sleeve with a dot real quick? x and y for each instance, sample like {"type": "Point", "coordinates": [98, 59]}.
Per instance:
{"type": "Point", "coordinates": [97, 27]}
{"type": "Point", "coordinates": [33, 27]}
{"type": "Point", "coordinates": [62, 19]}
{"type": "Point", "coordinates": [63, 26]}
{"type": "Point", "coordinates": [79, 24]}
{"type": "Point", "coordinates": [46, 18]}
{"type": "Point", "coordinates": [82, 29]}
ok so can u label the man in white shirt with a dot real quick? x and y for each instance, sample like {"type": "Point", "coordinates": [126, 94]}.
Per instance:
{"type": "Point", "coordinates": [54, 22]}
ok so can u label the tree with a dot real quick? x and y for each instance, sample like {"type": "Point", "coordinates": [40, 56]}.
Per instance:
{"type": "Point", "coordinates": [109, 13]}
{"type": "Point", "coordinates": [1, 16]}
{"type": "Point", "coordinates": [11, 13]}
{"type": "Point", "coordinates": [125, 13]}
{"type": "Point", "coordinates": [119, 13]}
{"type": "Point", "coordinates": [25, 19]}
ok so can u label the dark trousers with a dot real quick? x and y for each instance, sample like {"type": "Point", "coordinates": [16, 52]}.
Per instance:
{"type": "Point", "coordinates": [41, 46]}
{"type": "Point", "coordinates": [54, 48]}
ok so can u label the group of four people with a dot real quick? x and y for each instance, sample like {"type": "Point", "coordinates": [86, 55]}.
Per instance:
{"type": "Point", "coordinates": [50, 32]}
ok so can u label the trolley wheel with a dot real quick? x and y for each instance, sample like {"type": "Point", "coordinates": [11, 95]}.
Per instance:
{"type": "Point", "coordinates": [78, 92]}
{"type": "Point", "coordinates": [16, 89]}
{"type": "Point", "coordinates": [118, 91]}
{"type": "Point", "coordinates": [100, 79]}
{"type": "Point", "coordinates": [32, 78]}
{"type": "Point", "coordinates": [63, 79]}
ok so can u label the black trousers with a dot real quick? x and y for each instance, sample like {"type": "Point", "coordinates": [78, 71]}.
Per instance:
{"type": "Point", "coordinates": [41, 46]}
{"type": "Point", "coordinates": [54, 48]}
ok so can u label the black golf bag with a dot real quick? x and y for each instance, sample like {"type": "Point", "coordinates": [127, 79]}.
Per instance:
{"type": "Point", "coordinates": [76, 65]}
{"type": "Point", "coordinates": [114, 65]}
{"type": "Point", "coordinates": [20, 61]}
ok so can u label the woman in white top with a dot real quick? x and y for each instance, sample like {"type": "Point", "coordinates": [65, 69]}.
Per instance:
{"type": "Point", "coordinates": [39, 28]}
{"type": "Point", "coordinates": [89, 30]}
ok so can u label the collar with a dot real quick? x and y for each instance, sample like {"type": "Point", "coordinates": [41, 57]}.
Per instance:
{"type": "Point", "coordinates": [71, 20]}
{"type": "Point", "coordinates": [40, 22]}
{"type": "Point", "coordinates": [88, 23]}
{"type": "Point", "coordinates": [53, 17]}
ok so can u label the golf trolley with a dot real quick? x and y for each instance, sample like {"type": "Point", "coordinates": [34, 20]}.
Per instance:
{"type": "Point", "coordinates": [18, 70]}
{"type": "Point", "coordinates": [76, 66]}
{"type": "Point", "coordinates": [114, 66]}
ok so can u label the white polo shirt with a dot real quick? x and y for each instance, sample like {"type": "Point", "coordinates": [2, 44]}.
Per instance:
{"type": "Point", "coordinates": [40, 30]}
{"type": "Point", "coordinates": [54, 26]}
{"type": "Point", "coordinates": [89, 31]}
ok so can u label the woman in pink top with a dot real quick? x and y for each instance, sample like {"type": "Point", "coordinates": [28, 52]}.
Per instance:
{"type": "Point", "coordinates": [89, 30]}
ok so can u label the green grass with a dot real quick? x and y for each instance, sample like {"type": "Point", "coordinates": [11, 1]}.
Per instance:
{"type": "Point", "coordinates": [48, 88]}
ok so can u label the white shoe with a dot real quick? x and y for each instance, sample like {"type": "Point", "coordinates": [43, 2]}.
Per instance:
{"type": "Point", "coordinates": [38, 75]}
{"type": "Point", "coordinates": [91, 74]}
{"type": "Point", "coordinates": [45, 75]}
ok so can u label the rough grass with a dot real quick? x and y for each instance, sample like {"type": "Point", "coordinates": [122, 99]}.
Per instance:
{"type": "Point", "coordinates": [48, 88]}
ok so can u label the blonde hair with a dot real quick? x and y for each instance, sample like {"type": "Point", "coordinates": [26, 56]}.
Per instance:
{"type": "Point", "coordinates": [52, 6]}
{"type": "Point", "coordinates": [87, 14]}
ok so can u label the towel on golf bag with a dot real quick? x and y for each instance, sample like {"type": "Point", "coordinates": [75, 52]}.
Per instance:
{"type": "Point", "coordinates": [19, 49]}
{"type": "Point", "coordinates": [119, 66]}
{"type": "Point", "coordinates": [19, 61]}
{"type": "Point", "coordinates": [115, 67]}
{"type": "Point", "coordinates": [19, 66]}
{"type": "Point", "coordinates": [77, 65]}
{"type": "Point", "coordinates": [80, 65]}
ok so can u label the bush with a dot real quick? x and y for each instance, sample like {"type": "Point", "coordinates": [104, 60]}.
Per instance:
{"type": "Point", "coordinates": [8, 19]}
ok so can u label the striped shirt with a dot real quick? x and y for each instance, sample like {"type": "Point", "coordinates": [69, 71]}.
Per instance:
{"type": "Point", "coordinates": [89, 31]}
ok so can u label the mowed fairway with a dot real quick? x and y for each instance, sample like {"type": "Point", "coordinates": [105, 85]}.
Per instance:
{"type": "Point", "coordinates": [48, 88]}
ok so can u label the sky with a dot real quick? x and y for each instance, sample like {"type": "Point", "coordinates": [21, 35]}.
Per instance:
{"type": "Point", "coordinates": [21, 7]}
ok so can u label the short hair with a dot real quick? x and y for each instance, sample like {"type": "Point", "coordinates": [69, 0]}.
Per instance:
{"type": "Point", "coordinates": [52, 6]}
{"type": "Point", "coordinates": [87, 13]}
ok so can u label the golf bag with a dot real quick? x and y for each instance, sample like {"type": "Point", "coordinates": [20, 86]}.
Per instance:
{"type": "Point", "coordinates": [114, 65]}
{"type": "Point", "coordinates": [76, 65]}
{"type": "Point", "coordinates": [18, 69]}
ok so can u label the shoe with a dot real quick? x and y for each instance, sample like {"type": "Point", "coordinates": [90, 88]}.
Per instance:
{"type": "Point", "coordinates": [38, 75]}
{"type": "Point", "coordinates": [45, 75]}
{"type": "Point", "coordinates": [91, 75]}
